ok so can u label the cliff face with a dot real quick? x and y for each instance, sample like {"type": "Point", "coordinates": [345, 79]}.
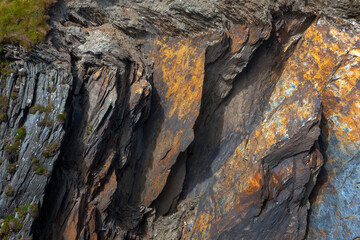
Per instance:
{"type": "Point", "coordinates": [184, 120]}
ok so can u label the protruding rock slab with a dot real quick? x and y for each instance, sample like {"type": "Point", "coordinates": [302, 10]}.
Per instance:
{"type": "Point", "coordinates": [246, 199]}
{"type": "Point", "coordinates": [178, 81]}
{"type": "Point", "coordinates": [335, 210]}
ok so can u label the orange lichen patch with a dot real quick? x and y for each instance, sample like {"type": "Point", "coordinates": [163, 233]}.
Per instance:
{"type": "Point", "coordinates": [178, 80]}
{"type": "Point", "coordinates": [239, 34]}
{"type": "Point", "coordinates": [286, 121]}
{"type": "Point", "coordinates": [257, 33]}
{"type": "Point", "coordinates": [342, 103]}
{"type": "Point", "coordinates": [319, 51]}
{"type": "Point", "coordinates": [240, 181]}
{"type": "Point", "coordinates": [182, 64]}
{"type": "Point", "coordinates": [236, 190]}
{"type": "Point", "coordinates": [328, 58]}
{"type": "Point", "coordinates": [202, 222]}
{"type": "Point", "coordinates": [253, 184]}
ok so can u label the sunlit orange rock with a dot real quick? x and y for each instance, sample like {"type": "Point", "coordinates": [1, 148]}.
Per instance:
{"type": "Point", "coordinates": [178, 80]}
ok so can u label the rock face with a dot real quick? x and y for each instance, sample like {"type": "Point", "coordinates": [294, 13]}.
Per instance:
{"type": "Point", "coordinates": [184, 120]}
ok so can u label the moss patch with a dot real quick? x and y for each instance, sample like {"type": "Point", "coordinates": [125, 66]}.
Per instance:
{"type": "Point", "coordinates": [15, 222]}
{"type": "Point", "coordinates": [51, 149]}
{"type": "Point", "coordinates": [12, 168]}
{"type": "Point", "coordinates": [23, 21]}
{"type": "Point", "coordinates": [40, 171]}
{"type": "Point", "coordinates": [41, 109]}
{"type": "Point", "coordinates": [9, 191]}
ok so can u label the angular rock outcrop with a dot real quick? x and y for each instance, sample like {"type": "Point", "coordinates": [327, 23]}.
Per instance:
{"type": "Point", "coordinates": [184, 120]}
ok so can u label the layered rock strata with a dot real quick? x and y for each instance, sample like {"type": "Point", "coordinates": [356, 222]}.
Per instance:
{"type": "Point", "coordinates": [184, 120]}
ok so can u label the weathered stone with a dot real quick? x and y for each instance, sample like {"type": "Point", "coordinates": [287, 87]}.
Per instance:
{"type": "Point", "coordinates": [184, 120]}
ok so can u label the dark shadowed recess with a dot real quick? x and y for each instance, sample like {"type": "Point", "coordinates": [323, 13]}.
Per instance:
{"type": "Point", "coordinates": [216, 139]}
{"type": "Point", "coordinates": [69, 171]}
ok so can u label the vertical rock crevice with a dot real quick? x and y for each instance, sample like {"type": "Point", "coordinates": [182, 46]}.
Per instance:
{"type": "Point", "coordinates": [169, 120]}
{"type": "Point", "coordinates": [273, 48]}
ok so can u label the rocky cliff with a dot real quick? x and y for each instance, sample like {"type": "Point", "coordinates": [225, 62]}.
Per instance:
{"type": "Point", "coordinates": [177, 119]}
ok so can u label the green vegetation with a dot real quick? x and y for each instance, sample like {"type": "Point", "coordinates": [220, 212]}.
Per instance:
{"type": "Point", "coordinates": [40, 171]}
{"type": "Point", "coordinates": [14, 96]}
{"type": "Point", "coordinates": [20, 133]}
{"type": "Point", "coordinates": [36, 162]}
{"type": "Point", "coordinates": [61, 117]}
{"type": "Point", "coordinates": [33, 208]}
{"type": "Point", "coordinates": [3, 117]}
{"type": "Point", "coordinates": [15, 146]}
{"type": "Point", "coordinates": [41, 109]}
{"type": "Point", "coordinates": [12, 168]}
{"type": "Point", "coordinates": [22, 211]}
{"type": "Point", "coordinates": [19, 138]}
{"type": "Point", "coordinates": [23, 21]}
{"type": "Point", "coordinates": [5, 228]}
{"type": "Point", "coordinates": [51, 149]}
{"type": "Point", "coordinates": [89, 129]}
{"type": "Point", "coordinates": [9, 191]}
{"type": "Point", "coordinates": [46, 122]}
{"type": "Point", "coordinates": [12, 224]}
{"type": "Point", "coordinates": [5, 68]}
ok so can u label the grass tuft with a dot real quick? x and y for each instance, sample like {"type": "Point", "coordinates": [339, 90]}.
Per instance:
{"type": "Point", "coordinates": [23, 22]}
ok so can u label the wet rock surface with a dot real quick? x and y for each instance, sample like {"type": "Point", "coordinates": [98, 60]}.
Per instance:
{"type": "Point", "coordinates": [184, 120]}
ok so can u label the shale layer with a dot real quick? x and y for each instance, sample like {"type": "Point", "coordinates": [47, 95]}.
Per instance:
{"type": "Point", "coordinates": [184, 120]}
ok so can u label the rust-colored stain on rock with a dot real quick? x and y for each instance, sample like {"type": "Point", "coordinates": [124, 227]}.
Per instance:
{"type": "Point", "coordinates": [178, 78]}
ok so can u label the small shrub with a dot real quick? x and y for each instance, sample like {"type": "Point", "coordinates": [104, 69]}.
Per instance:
{"type": "Point", "coordinates": [51, 149]}
{"type": "Point", "coordinates": [20, 136]}
{"type": "Point", "coordinates": [33, 210]}
{"type": "Point", "coordinates": [5, 68]}
{"type": "Point", "coordinates": [4, 231]}
{"type": "Point", "coordinates": [22, 211]}
{"type": "Point", "coordinates": [21, 133]}
{"type": "Point", "coordinates": [12, 224]}
{"type": "Point", "coordinates": [36, 161]}
{"type": "Point", "coordinates": [33, 207]}
{"type": "Point", "coordinates": [14, 146]}
{"type": "Point", "coordinates": [16, 224]}
{"type": "Point", "coordinates": [41, 109]}
{"type": "Point", "coordinates": [9, 191]}
{"type": "Point", "coordinates": [61, 117]}
{"type": "Point", "coordinates": [40, 171]}
{"type": "Point", "coordinates": [13, 96]}
{"type": "Point", "coordinates": [46, 122]}
{"type": "Point", "coordinates": [12, 168]}
{"type": "Point", "coordinates": [89, 129]}
{"type": "Point", "coordinates": [3, 117]}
